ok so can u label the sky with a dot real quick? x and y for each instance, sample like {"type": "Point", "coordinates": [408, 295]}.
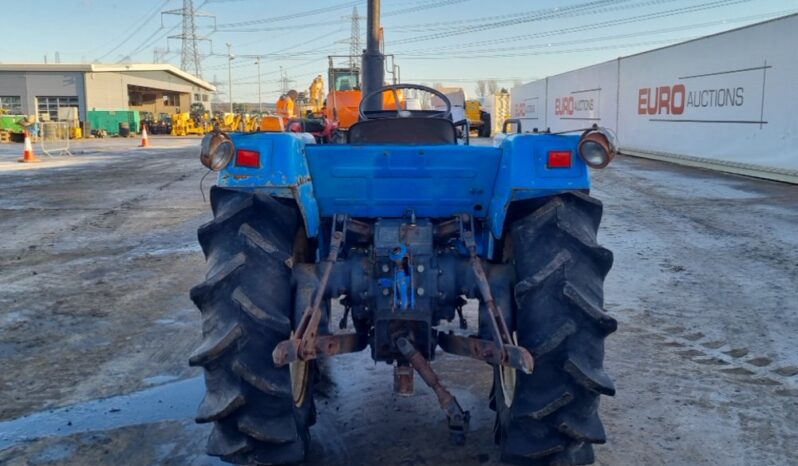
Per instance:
{"type": "Point", "coordinates": [452, 42]}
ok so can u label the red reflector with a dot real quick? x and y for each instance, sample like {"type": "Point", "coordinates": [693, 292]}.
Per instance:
{"type": "Point", "coordinates": [559, 159]}
{"type": "Point", "coordinates": [248, 158]}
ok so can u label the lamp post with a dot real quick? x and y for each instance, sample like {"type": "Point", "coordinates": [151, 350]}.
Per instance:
{"type": "Point", "coordinates": [260, 100]}
{"type": "Point", "coordinates": [230, 58]}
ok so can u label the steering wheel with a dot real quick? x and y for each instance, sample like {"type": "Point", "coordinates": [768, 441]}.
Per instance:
{"type": "Point", "coordinates": [405, 113]}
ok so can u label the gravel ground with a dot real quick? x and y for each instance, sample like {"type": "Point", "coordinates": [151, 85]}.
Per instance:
{"type": "Point", "coordinates": [98, 252]}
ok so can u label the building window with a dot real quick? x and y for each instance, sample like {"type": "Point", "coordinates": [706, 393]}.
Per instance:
{"type": "Point", "coordinates": [11, 104]}
{"type": "Point", "coordinates": [196, 97]}
{"type": "Point", "coordinates": [171, 100]}
{"type": "Point", "coordinates": [204, 97]}
{"type": "Point", "coordinates": [50, 105]}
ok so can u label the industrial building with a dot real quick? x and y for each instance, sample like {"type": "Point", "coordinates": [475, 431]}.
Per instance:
{"type": "Point", "coordinates": [43, 89]}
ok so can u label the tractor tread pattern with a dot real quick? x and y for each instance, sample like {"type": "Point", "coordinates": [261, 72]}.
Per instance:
{"type": "Point", "coordinates": [204, 289]}
{"type": "Point", "coordinates": [245, 303]}
{"type": "Point", "coordinates": [553, 419]}
{"type": "Point", "coordinates": [215, 344]}
{"type": "Point", "coordinates": [555, 340]}
{"type": "Point", "coordinates": [222, 399]}
{"type": "Point", "coordinates": [278, 429]}
{"type": "Point", "coordinates": [265, 245]}
{"type": "Point", "coordinates": [602, 319]}
{"type": "Point", "coordinates": [277, 322]}
{"type": "Point", "coordinates": [224, 443]}
{"type": "Point", "coordinates": [260, 382]}
{"type": "Point", "coordinates": [589, 376]}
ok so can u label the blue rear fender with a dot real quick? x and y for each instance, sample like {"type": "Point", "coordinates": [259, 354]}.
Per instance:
{"type": "Point", "coordinates": [283, 172]}
{"type": "Point", "coordinates": [389, 181]}
{"type": "Point", "coordinates": [524, 173]}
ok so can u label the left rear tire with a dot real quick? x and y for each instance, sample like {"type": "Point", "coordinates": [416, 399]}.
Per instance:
{"type": "Point", "coordinates": [261, 414]}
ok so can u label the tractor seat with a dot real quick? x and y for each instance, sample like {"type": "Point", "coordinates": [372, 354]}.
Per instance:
{"type": "Point", "coordinates": [403, 131]}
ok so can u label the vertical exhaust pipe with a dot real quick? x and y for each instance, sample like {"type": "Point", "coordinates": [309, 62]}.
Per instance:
{"type": "Point", "coordinates": [373, 59]}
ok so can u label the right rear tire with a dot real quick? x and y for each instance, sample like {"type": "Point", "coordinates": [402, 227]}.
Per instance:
{"type": "Point", "coordinates": [550, 417]}
{"type": "Point", "coordinates": [247, 304]}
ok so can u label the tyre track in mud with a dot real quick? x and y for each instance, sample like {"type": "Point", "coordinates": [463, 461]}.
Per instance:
{"type": "Point", "coordinates": [94, 221]}
{"type": "Point", "coordinates": [734, 361]}
{"type": "Point", "coordinates": [96, 265]}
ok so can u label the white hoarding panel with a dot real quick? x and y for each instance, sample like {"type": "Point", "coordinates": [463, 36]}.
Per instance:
{"type": "Point", "coordinates": [581, 98]}
{"type": "Point", "coordinates": [729, 98]}
{"type": "Point", "coordinates": [528, 103]}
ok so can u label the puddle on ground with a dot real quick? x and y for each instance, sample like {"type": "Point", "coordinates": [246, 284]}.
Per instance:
{"type": "Point", "coordinates": [160, 379]}
{"type": "Point", "coordinates": [170, 401]}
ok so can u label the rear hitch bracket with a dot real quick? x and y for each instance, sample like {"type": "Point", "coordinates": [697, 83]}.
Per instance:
{"type": "Point", "coordinates": [457, 418]}
{"type": "Point", "coordinates": [508, 353]}
{"type": "Point", "coordinates": [306, 343]}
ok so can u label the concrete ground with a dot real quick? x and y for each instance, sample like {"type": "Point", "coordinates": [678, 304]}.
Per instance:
{"type": "Point", "coordinates": [98, 251]}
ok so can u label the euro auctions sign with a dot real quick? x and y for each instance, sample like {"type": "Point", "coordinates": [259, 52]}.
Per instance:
{"type": "Point", "coordinates": [724, 96]}
{"type": "Point", "coordinates": [528, 108]}
{"type": "Point", "coordinates": [728, 99]}
{"type": "Point", "coordinates": [579, 105]}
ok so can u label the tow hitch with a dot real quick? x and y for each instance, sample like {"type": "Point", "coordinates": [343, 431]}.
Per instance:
{"type": "Point", "coordinates": [457, 418]}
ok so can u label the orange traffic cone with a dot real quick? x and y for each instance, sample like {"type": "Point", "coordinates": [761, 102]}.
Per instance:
{"type": "Point", "coordinates": [145, 141]}
{"type": "Point", "coordinates": [28, 156]}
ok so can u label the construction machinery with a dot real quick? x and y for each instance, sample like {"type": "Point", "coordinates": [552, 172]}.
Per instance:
{"type": "Point", "coordinates": [163, 125]}
{"type": "Point", "coordinates": [184, 124]}
{"type": "Point", "coordinates": [345, 93]}
{"type": "Point", "coordinates": [304, 113]}
{"type": "Point", "coordinates": [468, 110]}
{"type": "Point", "coordinates": [316, 94]}
{"type": "Point", "coordinates": [478, 119]}
{"type": "Point", "coordinates": [286, 108]}
{"type": "Point", "coordinates": [197, 121]}
{"type": "Point", "coordinates": [402, 224]}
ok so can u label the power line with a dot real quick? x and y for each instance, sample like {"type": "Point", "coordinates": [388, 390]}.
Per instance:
{"type": "Point", "coordinates": [607, 38]}
{"type": "Point", "coordinates": [300, 14]}
{"type": "Point", "coordinates": [561, 51]}
{"type": "Point", "coordinates": [536, 15]}
{"type": "Point", "coordinates": [224, 27]}
{"type": "Point", "coordinates": [425, 6]}
{"type": "Point", "coordinates": [152, 39]}
{"type": "Point", "coordinates": [147, 18]}
{"type": "Point", "coordinates": [457, 24]}
{"type": "Point", "coordinates": [280, 52]}
{"type": "Point", "coordinates": [469, 80]}
{"type": "Point", "coordinates": [581, 28]}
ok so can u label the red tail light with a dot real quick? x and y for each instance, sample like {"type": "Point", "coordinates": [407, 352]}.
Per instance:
{"type": "Point", "coordinates": [248, 158]}
{"type": "Point", "coordinates": [560, 159]}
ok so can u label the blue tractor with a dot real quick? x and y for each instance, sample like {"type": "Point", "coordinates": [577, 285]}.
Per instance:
{"type": "Point", "coordinates": [403, 223]}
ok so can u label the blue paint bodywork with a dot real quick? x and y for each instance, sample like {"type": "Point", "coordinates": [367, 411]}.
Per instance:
{"type": "Point", "coordinates": [387, 181]}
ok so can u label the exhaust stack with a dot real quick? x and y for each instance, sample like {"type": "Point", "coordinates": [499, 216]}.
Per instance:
{"type": "Point", "coordinates": [373, 59]}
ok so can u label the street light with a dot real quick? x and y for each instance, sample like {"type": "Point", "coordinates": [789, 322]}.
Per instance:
{"type": "Point", "coordinates": [260, 100]}
{"type": "Point", "coordinates": [230, 58]}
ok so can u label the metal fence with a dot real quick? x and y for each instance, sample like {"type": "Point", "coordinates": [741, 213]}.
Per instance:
{"type": "Point", "coordinates": [55, 138]}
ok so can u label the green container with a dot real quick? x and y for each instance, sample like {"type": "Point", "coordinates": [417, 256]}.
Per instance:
{"type": "Point", "coordinates": [109, 120]}
{"type": "Point", "coordinates": [12, 123]}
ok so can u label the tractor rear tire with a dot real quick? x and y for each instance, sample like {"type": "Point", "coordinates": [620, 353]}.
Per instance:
{"type": "Point", "coordinates": [247, 307]}
{"type": "Point", "coordinates": [550, 417]}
